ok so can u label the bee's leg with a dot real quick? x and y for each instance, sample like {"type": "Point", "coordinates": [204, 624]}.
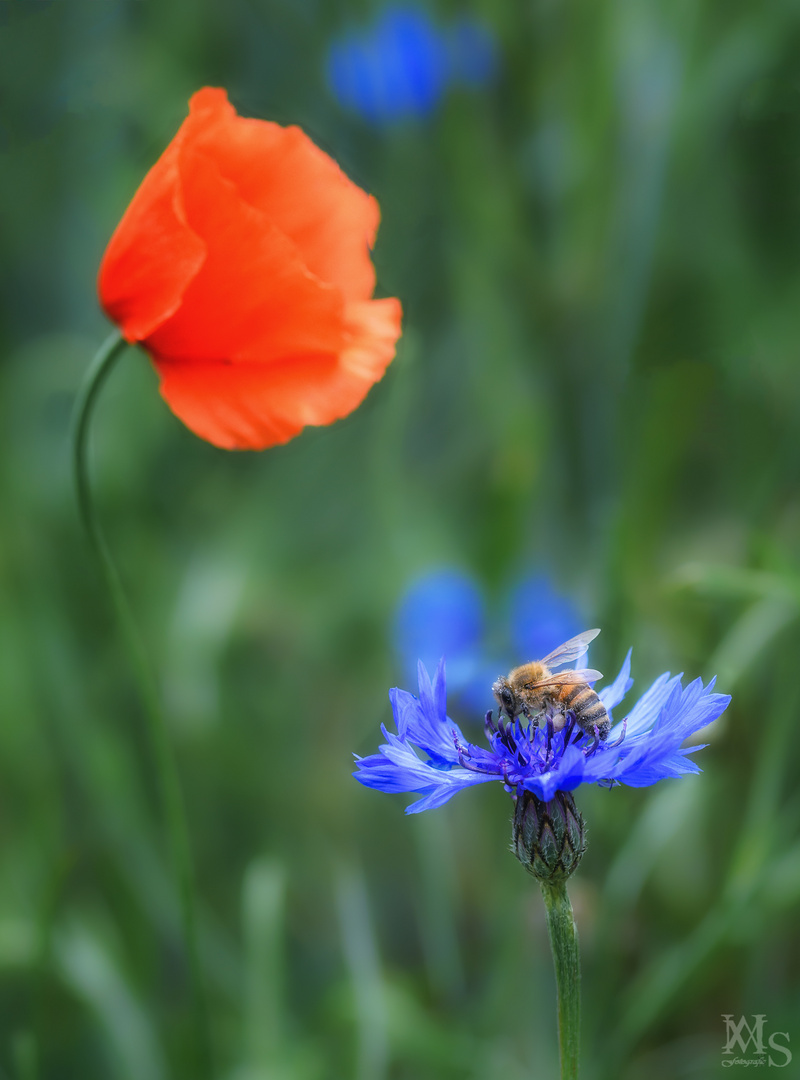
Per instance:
{"type": "Point", "coordinates": [529, 716]}
{"type": "Point", "coordinates": [569, 727]}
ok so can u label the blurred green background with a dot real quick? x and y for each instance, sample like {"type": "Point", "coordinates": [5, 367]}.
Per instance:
{"type": "Point", "coordinates": [599, 260]}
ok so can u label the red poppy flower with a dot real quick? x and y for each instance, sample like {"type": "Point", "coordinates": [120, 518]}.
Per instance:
{"type": "Point", "coordinates": [242, 265]}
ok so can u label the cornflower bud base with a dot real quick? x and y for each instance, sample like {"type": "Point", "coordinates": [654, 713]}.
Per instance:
{"type": "Point", "coordinates": [548, 838]}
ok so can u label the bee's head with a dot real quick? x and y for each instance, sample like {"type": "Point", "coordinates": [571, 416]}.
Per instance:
{"type": "Point", "coordinates": [505, 697]}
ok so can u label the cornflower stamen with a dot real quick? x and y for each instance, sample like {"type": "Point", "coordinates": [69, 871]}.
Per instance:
{"type": "Point", "coordinates": [589, 750]}
{"type": "Point", "coordinates": [618, 742]}
{"type": "Point", "coordinates": [508, 738]}
{"type": "Point", "coordinates": [464, 756]}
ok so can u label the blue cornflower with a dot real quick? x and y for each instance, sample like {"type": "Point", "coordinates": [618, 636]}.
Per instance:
{"type": "Point", "coordinates": [442, 613]}
{"type": "Point", "coordinates": [540, 617]}
{"type": "Point", "coordinates": [402, 65]}
{"type": "Point", "coordinates": [473, 52]}
{"type": "Point", "coordinates": [396, 68]}
{"type": "Point", "coordinates": [644, 747]}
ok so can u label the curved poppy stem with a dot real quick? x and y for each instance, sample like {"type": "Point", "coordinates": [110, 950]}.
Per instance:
{"type": "Point", "coordinates": [564, 943]}
{"type": "Point", "coordinates": [169, 784]}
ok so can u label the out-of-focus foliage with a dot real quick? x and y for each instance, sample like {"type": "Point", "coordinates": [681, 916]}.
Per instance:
{"type": "Point", "coordinates": [599, 258]}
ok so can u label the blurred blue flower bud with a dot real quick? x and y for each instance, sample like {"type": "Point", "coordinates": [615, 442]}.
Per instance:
{"type": "Point", "coordinates": [473, 52]}
{"type": "Point", "coordinates": [441, 613]}
{"type": "Point", "coordinates": [400, 67]}
{"type": "Point", "coordinates": [541, 618]}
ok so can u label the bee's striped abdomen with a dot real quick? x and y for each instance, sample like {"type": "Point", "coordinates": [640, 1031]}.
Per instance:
{"type": "Point", "coordinates": [589, 710]}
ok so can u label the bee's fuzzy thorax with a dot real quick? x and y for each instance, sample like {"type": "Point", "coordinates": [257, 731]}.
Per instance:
{"type": "Point", "coordinates": [531, 672]}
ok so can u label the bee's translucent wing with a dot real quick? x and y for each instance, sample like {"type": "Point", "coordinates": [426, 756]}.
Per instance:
{"type": "Point", "coordinates": [570, 650]}
{"type": "Point", "coordinates": [565, 678]}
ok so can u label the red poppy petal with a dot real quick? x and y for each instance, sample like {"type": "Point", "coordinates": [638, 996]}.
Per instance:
{"type": "Point", "coordinates": [153, 254]}
{"type": "Point", "coordinates": [253, 298]}
{"type": "Point", "coordinates": [308, 390]}
{"type": "Point", "coordinates": [302, 191]}
{"type": "Point", "coordinates": [373, 327]}
{"type": "Point", "coordinates": [226, 404]}
{"type": "Point", "coordinates": [250, 406]}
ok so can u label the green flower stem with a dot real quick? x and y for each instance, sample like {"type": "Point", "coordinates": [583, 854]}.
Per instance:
{"type": "Point", "coordinates": [169, 784]}
{"type": "Point", "coordinates": [564, 943]}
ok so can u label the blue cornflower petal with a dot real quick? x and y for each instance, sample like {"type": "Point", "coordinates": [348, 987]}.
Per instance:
{"type": "Point", "coordinates": [641, 750]}
{"type": "Point", "coordinates": [646, 710]}
{"type": "Point", "coordinates": [614, 693]}
{"type": "Point", "coordinates": [424, 721]}
{"type": "Point", "coordinates": [440, 794]}
{"type": "Point", "coordinates": [569, 775]}
{"type": "Point", "coordinates": [398, 767]}
{"type": "Point", "coordinates": [432, 695]}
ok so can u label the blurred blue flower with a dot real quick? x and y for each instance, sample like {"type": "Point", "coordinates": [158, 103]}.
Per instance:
{"type": "Point", "coordinates": [643, 748]}
{"type": "Point", "coordinates": [402, 65]}
{"type": "Point", "coordinates": [541, 618]}
{"type": "Point", "coordinates": [472, 52]}
{"type": "Point", "coordinates": [442, 613]}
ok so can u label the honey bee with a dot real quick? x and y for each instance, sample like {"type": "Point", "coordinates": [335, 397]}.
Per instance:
{"type": "Point", "coordinates": [533, 690]}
